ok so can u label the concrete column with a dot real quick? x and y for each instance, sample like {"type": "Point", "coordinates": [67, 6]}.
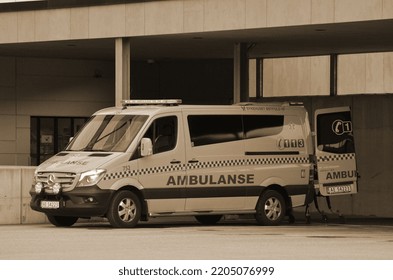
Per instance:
{"type": "Point", "coordinates": [240, 75]}
{"type": "Point", "coordinates": [122, 70]}
{"type": "Point", "coordinates": [259, 78]}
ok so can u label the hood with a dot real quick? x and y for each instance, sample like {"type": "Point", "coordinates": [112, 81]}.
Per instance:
{"type": "Point", "coordinates": [76, 162]}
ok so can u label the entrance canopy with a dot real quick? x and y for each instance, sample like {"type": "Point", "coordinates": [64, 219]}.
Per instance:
{"type": "Point", "coordinates": [337, 38]}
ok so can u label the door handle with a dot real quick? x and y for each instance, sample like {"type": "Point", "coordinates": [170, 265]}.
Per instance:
{"type": "Point", "coordinates": [193, 161]}
{"type": "Point", "coordinates": [175, 161]}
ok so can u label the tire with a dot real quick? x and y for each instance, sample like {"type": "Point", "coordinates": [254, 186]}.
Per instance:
{"type": "Point", "coordinates": [124, 210]}
{"type": "Point", "coordinates": [62, 221]}
{"type": "Point", "coordinates": [270, 209]}
{"type": "Point", "coordinates": [208, 219]}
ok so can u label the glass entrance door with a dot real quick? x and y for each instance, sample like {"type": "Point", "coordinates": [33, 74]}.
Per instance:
{"type": "Point", "coordinates": [50, 135]}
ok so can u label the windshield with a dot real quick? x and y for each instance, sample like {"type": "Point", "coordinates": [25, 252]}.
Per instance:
{"type": "Point", "coordinates": [107, 133]}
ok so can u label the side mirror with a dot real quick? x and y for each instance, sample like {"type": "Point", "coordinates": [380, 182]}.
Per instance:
{"type": "Point", "coordinates": [146, 147]}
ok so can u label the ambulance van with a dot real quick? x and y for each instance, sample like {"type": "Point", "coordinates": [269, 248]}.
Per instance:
{"type": "Point", "coordinates": [156, 158]}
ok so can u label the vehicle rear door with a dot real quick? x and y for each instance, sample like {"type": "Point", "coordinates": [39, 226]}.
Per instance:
{"type": "Point", "coordinates": [335, 152]}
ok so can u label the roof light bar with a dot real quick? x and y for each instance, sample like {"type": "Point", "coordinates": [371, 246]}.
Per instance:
{"type": "Point", "coordinates": [151, 102]}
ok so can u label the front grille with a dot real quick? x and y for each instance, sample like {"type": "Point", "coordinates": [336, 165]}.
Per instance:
{"type": "Point", "coordinates": [65, 179]}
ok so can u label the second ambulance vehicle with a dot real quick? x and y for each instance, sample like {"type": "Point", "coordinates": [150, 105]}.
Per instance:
{"type": "Point", "coordinates": [153, 158]}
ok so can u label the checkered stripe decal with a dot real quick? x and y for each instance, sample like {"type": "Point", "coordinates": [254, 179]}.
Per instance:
{"type": "Point", "coordinates": [146, 171]}
{"type": "Point", "coordinates": [119, 175]}
{"type": "Point", "coordinates": [207, 164]}
{"type": "Point", "coordinates": [253, 161]}
{"type": "Point", "coordinates": [335, 157]}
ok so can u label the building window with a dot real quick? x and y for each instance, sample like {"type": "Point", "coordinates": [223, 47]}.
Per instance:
{"type": "Point", "coordinates": [50, 135]}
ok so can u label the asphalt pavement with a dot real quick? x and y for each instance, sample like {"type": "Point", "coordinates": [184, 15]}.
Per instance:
{"type": "Point", "coordinates": [352, 238]}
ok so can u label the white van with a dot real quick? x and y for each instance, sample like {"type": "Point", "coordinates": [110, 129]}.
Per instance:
{"type": "Point", "coordinates": [153, 158]}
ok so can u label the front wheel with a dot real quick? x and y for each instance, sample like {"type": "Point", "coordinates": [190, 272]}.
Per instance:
{"type": "Point", "coordinates": [270, 209]}
{"type": "Point", "coordinates": [125, 210]}
{"type": "Point", "coordinates": [62, 221]}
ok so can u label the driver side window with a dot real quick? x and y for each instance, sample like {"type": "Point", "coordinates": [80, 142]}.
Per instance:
{"type": "Point", "coordinates": [163, 134]}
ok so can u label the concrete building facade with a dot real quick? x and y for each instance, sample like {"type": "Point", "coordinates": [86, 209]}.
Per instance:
{"type": "Point", "coordinates": [62, 60]}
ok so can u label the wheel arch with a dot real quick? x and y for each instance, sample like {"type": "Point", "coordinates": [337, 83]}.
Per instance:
{"type": "Point", "coordinates": [138, 192]}
{"type": "Point", "coordinates": [283, 192]}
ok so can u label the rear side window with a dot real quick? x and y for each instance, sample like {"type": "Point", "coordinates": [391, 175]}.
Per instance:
{"type": "Point", "coordinates": [213, 129]}
{"type": "Point", "coordinates": [262, 125]}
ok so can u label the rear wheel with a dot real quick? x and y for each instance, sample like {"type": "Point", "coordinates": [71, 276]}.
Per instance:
{"type": "Point", "coordinates": [62, 221]}
{"type": "Point", "coordinates": [208, 219]}
{"type": "Point", "coordinates": [270, 210]}
{"type": "Point", "coordinates": [125, 210]}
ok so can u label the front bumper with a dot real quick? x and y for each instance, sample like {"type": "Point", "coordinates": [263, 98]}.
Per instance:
{"type": "Point", "coordinates": [80, 202]}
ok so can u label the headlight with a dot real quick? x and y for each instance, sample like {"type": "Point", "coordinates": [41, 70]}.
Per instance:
{"type": "Point", "coordinates": [91, 177]}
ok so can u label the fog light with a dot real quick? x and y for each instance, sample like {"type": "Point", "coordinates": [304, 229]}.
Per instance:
{"type": "Point", "coordinates": [56, 188]}
{"type": "Point", "coordinates": [38, 187]}
{"type": "Point", "coordinates": [89, 199]}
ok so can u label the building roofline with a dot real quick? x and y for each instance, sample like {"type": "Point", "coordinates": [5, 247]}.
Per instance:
{"type": "Point", "coordinates": [58, 4]}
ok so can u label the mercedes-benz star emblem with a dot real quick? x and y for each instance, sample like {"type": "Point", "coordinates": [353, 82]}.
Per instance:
{"type": "Point", "coordinates": [51, 179]}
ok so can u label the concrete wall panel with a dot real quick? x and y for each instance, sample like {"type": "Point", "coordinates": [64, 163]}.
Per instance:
{"type": "Point", "coordinates": [374, 131]}
{"type": "Point", "coordinates": [225, 14]}
{"type": "Point", "coordinates": [135, 19]}
{"type": "Point", "coordinates": [320, 75]}
{"type": "Point", "coordinates": [7, 146]}
{"type": "Point", "coordinates": [168, 22]}
{"type": "Point", "coordinates": [365, 73]}
{"type": "Point", "coordinates": [351, 74]}
{"type": "Point", "coordinates": [8, 27]}
{"type": "Point", "coordinates": [7, 159]}
{"type": "Point", "coordinates": [193, 16]}
{"type": "Point", "coordinates": [7, 107]}
{"type": "Point", "coordinates": [79, 23]}
{"type": "Point", "coordinates": [10, 194]}
{"type": "Point", "coordinates": [7, 72]}
{"type": "Point", "coordinates": [296, 76]}
{"type": "Point", "coordinates": [358, 10]}
{"type": "Point", "coordinates": [388, 72]}
{"type": "Point", "coordinates": [256, 13]}
{"type": "Point", "coordinates": [23, 140]}
{"type": "Point", "coordinates": [387, 9]}
{"type": "Point", "coordinates": [8, 127]}
{"type": "Point", "coordinates": [322, 11]}
{"type": "Point", "coordinates": [374, 73]}
{"type": "Point", "coordinates": [26, 26]}
{"type": "Point", "coordinates": [288, 12]}
{"type": "Point", "coordinates": [15, 198]}
{"type": "Point", "coordinates": [52, 24]}
{"type": "Point", "coordinates": [107, 21]}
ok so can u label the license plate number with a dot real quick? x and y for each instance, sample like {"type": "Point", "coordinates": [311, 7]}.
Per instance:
{"type": "Point", "coordinates": [339, 189]}
{"type": "Point", "coordinates": [50, 204]}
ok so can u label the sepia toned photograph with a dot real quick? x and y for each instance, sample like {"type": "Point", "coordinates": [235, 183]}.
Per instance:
{"type": "Point", "coordinates": [197, 138]}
